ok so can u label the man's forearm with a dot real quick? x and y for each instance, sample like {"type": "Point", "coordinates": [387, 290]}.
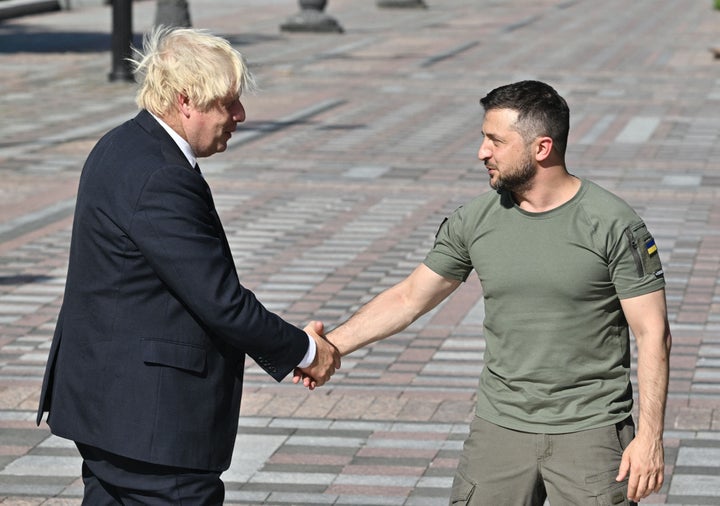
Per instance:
{"type": "Point", "coordinates": [378, 319]}
{"type": "Point", "coordinates": [393, 310]}
{"type": "Point", "coordinates": [647, 317]}
{"type": "Point", "coordinates": [653, 376]}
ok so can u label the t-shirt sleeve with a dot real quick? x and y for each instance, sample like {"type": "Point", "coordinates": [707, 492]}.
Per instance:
{"type": "Point", "coordinates": [635, 264]}
{"type": "Point", "coordinates": [449, 256]}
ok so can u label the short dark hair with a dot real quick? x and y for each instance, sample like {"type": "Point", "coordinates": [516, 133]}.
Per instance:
{"type": "Point", "coordinates": [541, 110]}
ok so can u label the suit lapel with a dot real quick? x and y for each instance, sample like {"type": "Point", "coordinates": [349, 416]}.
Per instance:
{"type": "Point", "coordinates": [175, 155]}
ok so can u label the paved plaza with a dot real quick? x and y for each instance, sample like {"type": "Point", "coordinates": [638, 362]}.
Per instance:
{"type": "Point", "coordinates": [354, 150]}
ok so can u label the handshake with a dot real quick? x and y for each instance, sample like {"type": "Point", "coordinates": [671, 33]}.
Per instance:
{"type": "Point", "coordinates": [327, 359]}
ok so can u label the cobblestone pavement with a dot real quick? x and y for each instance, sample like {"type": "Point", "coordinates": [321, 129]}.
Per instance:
{"type": "Point", "coordinates": [355, 149]}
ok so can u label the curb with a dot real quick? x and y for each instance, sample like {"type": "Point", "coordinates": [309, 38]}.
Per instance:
{"type": "Point", "coordinates": [18, 8]}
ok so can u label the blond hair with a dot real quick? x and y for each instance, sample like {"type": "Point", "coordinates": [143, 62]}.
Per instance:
{"type": "Point", "coordinates": [187, 61]}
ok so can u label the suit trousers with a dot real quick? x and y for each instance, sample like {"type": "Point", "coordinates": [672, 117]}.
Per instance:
{"type": "Point", "coordinates": [112, 480]}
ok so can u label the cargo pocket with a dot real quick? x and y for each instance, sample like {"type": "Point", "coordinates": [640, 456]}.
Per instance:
{"type": "Point", "coordinates": [615, 495]}
{"type": "Point", "coordinates": [462, 491]}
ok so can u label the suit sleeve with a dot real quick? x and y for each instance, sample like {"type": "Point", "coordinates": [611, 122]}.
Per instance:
{"type": "Point", "coordinates": [177, 229]}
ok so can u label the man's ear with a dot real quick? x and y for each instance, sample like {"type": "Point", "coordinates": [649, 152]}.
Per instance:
{"type": "Point", "coordinates": [183, 104]}
{"type": "Point", "coordinates": [543, 148]}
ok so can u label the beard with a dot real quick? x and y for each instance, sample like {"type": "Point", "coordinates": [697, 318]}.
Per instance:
{"type": "Point", "coordinates": [518, 178]}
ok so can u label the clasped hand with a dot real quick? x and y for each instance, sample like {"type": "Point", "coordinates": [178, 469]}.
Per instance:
{"type": "Point", "coordinates": [327, 359]}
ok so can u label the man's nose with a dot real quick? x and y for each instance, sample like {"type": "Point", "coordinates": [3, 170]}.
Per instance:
{"type": "Point", "coordinates": [483, 152]}
{"type": "Point", "coordinates": [239, 113]}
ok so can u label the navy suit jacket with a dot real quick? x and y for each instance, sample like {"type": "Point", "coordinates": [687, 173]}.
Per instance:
{"type": "Point", "coordinates": [147, 357]}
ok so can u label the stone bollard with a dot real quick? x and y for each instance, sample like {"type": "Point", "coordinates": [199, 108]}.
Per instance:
{"type": "Point", "coordinates": [173, 13]}
{"type": "Point", "coordinates": [311, 18]}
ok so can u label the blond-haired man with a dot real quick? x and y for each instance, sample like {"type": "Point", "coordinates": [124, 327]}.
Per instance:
{"type": "Point", "coordinates": [146, 365]}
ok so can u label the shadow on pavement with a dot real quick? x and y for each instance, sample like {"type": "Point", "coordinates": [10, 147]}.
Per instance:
{"type": "Point", "coordinates": [245, 39]}
{"type": "Point", "coordinates": [23, 279]}
{"type": "Point", "coordinates": [28, 39]}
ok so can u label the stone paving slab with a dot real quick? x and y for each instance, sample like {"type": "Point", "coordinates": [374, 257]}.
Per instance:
{"type": "Point", "coordinates": [353, 152]}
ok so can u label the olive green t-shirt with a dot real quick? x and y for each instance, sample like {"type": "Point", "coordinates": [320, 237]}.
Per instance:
{"type": "Point", "coordinates": [557, 355]}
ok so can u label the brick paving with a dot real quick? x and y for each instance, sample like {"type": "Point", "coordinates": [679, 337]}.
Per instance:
{"type": "Point", "coordinates": [354, 150]}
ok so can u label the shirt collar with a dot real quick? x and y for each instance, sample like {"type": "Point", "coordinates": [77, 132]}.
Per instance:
{"type": "Point", "coordinates": [181, 143]}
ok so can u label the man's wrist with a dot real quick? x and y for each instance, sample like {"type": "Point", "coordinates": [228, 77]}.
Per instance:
{"type": "Point", "coordinates": [309, 357]}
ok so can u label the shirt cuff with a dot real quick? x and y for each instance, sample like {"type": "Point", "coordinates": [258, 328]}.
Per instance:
{"type": "Point", "coordinates": [309, 355]}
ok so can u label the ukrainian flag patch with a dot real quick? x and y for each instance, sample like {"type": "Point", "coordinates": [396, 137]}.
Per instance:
{"type": "Point", "coordinates": [651, 247]}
